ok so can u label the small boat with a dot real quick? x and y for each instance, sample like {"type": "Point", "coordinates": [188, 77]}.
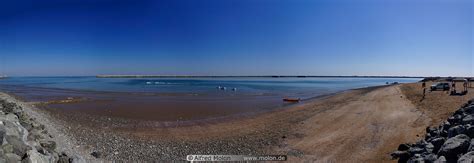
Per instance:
{"type": "Point", "coordinates": [234, 89]}
{"type": "Point", "coordinates": [292, 99]}
{"type": "Point", "coordinates": [148, 83]}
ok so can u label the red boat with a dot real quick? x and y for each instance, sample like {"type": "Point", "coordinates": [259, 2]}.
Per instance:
{"type": "Point", "coordinates": [292, 99]}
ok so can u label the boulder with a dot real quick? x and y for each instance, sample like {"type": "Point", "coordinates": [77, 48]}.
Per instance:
{"type": "Point", "coordinates": [455, 119]}
{"type": "Point", "coordinates": [3, 132]}
{"type": "Point", "coordinates": [469, 109]}
{"type": "Point", "coordinates": [416, 150]}
{"type": "Point", "coordinates": [11, 129]}
{"type": "Point", "coordinates": [19, 147]}
{"type": "Point", "coordinates": [417, 159]}
{"type": "Point", "coordinates": [471, 146]}
{"type": "Point", "coordinates": [469, 130]}
{"type": "Point", "coordinates": [403, 147]}
{"type": "Point", "coordinates": [455, 146]}
{"type": "Point", "coordinates": [441, 159]}
{"type": "Point", "coordinates": [430, 158]}
{"type": "Point", "coordinates": [7, 148]}
{"type": "Point", "coordinates": [402, 156]}
{"type": "Point", "coordinates": [11, 117]}
{"type": "Point", "coordinates": [429, 147]}
{"type": "Point", "coordinates": [456, 130]}
{"type": "Point", "coordinates": [8, 107]}
{"type": "Point", "coordinates": [467, 158]}
{"type": "Point", "coordinates": [34, 157]}
{"type": "Point", "coordinates": [10, 157]}
{"type": "Point", "coordinates": [48, 145]}
{"type": "Point", "coordinates": [433, 131]}
{"type": "Point", "coordinates": [437, 143]}
{"type": "Point", "coordinates": [469, 119]}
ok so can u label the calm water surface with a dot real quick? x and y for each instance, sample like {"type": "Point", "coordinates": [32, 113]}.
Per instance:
{"type": "Point", "coordinates": [169, 99]}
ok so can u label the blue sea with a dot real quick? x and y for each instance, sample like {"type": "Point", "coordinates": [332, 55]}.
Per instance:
{"type": "Point", "coordinates": [172, 98]}
{"type": "Point", "coordinates": [284, 86]}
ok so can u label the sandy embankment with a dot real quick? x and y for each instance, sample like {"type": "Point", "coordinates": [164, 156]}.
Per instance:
{"type": "Point", "coordinates": [353, 126]}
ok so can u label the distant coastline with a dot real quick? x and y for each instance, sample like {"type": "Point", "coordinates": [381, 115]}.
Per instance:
{"type": "Point", "coordinates": [256, 76]}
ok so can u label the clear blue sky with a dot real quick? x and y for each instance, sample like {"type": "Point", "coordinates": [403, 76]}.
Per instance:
{"type": "Point", "coordinates": [237, 37]}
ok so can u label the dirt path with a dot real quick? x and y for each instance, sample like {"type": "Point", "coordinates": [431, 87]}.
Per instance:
{"type": "Point", "coordinates": [365, 129]}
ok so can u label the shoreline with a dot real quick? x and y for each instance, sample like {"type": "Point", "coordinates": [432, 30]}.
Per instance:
{"type": "Point", "coordinates": [251, 76]}
{"type": "Point", "coordinates": [355, 119]}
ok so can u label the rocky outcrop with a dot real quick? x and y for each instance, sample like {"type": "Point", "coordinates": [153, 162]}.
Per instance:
{"type": "Point", "coordinates": [452, 141]}
{"type": "Point", "coordinates": [22, 139]}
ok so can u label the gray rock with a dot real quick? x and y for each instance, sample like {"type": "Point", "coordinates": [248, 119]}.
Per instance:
{"type": "Point", "coordinates": [429, 147]}
{"type": "Point", "coordinates": [77, 159]}
{"type": "Point", "coordinates": [8, 107]}
{"type": "Point", "coordinates": [456, 130]}
{"type": "Point", "coordinates": [430, 158]}
{"type": "Point", "coordinates": [469, 130]}
{"type": "Point", "coordinates": [417, 159]}
{"type": "Point", "coordinates": [48, 145]}
{"type": "Point", "coordinates": [7, 148]}
{"type": "Point", "coordinates": [10, 157]}
{"type": "Point", "coordinates": [469, 109]}
{"type": "Point", "coordinates": [416, 150]}
{"type": "Point", "coordinates": [437, 143]}
{"type": "Point", "coordinates": [441, 159]}
{"type": "Point", "coordinates": [403, 156]}
{"type": "Point", "coordinates": [467, 158]}
{"type": "Point", "coordinates": [455, 119]}
{"type": "Point", "coordinates": [35, 157]}
{"type": "Point", "coordinates": [19, 147]}
{"type": "Point", "coordinates": [35, 135]}
{"type": "Point", "coordinates": [469, 119]}
{"type": "Point", "coordinates": [471, 146]}
{"type": "Point", "coordinates": [455, 146]}
{"type": "Point", "coordinates": [433, 131]}
{"type": "Point", "coordinates": [403, 147]}
{"type": "Point", "coordinates": [11, 129]}
{"type": "Point", "coordinates": [11, 117]}
{"type": "Point", "coordinates": [3, 132]}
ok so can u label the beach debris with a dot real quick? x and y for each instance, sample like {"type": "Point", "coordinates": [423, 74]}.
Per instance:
{"type": "Point", "coordinates": [292, 99]}
{"type": "Point", "coordinates": [451, 141]}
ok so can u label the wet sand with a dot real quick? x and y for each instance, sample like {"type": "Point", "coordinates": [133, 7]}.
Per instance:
{"type": "Point", "coordinates": [151, 106]}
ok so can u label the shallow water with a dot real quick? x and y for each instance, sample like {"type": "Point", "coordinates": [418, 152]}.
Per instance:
{"type": "Point", "coordinates": [170, 99]}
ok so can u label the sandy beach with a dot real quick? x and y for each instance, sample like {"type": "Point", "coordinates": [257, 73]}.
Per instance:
{"type": "Point", "coordinates": [361, 125]}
